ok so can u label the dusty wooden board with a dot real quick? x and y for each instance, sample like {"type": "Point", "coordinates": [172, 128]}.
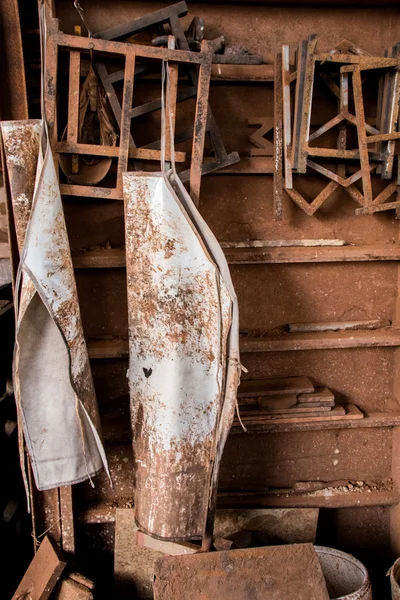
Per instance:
{"type": "Point", "coordinates": [133, 564]}
{"type": "Point", "coordinates": [351, 412]}
{"type": "Point", "coordinates": [246, 254]}
{"type": "Point", "coordinates": [275, 386]}
{"type": "Point", "coordinates": [42, 574]}
{"type": "Point", "coordinates": [321, 395]}
{"type": "Point", "coordinates": [293, 412]}
{"type": "Point", "coordinates": [297, 409]}
{"type": "Point", "coordinates": [337, 325]}
{"type": "Point", "coordinates": [274, 572]}
{"type": "Point", "coordinates": [277, 526]}
{"type": "Point", "coordinates": [279, 402]}
{"type": "Point", "coordinates": [389, 336]}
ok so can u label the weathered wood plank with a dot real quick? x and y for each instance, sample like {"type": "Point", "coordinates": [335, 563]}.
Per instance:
{"type": "Point", "coordinates": [275, 386]}
{"type": "Point", "coordinates": [42, 574]}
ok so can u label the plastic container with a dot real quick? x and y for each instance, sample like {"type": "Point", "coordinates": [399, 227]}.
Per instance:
{"type": "Point", "coordinates": [346, 577]}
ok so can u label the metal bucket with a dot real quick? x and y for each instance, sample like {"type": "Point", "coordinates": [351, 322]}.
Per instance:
{"type": "Point", "coordinates": [346, 577]}
{"type": "Point", "coordinates": [394, 572]}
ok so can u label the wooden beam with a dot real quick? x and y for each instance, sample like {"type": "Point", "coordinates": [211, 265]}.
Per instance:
{"type": "Point", "coordinates": [390, 337]}
{"type": "Point", "coordinates": [105, 259]}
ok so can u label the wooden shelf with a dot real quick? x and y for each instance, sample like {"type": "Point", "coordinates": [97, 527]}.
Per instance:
{"type": "Point", "coordinates": [389, 337]}
{"type": "Point", "coordinates": [105, 513]}
{"type": "Point", "coordinates": [115, 258]}
{"type": "Point", "coordinates": [299, 254]}
{"type": "Point", "coordinates": [319, 499]}
{"type": "Point", "coordinates": [322, 340]}
{"type": "Point", "coordinates": [117, 428]}
{"type": "Point", "coordinates": [370, 420]}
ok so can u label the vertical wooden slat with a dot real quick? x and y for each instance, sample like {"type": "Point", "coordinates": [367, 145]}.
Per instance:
{"type": "Point", "coordinates": [73, 95]}
{"type": "Point", "coordinates": [278, 139]}
{"type": "Point", "coordinates": [362, 137]}
{"type": "Point", "coordinates": [173, 73]}
{"type": "Point", "coordinates": [298, 99]}
{"type": "Point", "coordinates": [287, 133]}
{"type": "Point", "coordinates": [304, 130]}
{"type": "Point", "coordinates": [125, 128]}
{"type": "Point", "coordinates": [50, 87]}
{"type": "Point", "coordinates": [200, 125]}
{"type": "Point", "coordinates": [67, 519]}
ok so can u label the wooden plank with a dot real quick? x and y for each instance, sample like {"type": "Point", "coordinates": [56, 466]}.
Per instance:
{"type": "Point", "coordinates": [373, 252]}
{"type": "Point", "coordinates": [88, 191]}
{"type": "Point", "coordinates": [294, 413]}
{"type": "Point", "coordinates": [99, 349]}
{"type": "Point", "coordinates": [342, 412]}
{"type": "Point", "coordinates": [73, 96]}
{"type": "Point", "coordinates": [298, 100]}
{"type": "Point", "coordinates": [278, 140]}
{"type": "Point", "coordinates": [273, 403]}
{"type": "Point", "coordinates": [120, 48]}
{"type": "Point", "coordinates": [42, 574]}
{"type": "Point", "coordinates": [322, 341]}
{"type": "Point", "coordinates": [113, 151]}
{"type": "Point", "coordinates": [67, 520]}
{"type": "Point", "coordinates": [287, 133]}
{"type": "Point", "coordinates": [157, 17]}
{"type": "Point", "coordinates": [282, 243]}
{"type": "Point", "coordinates": [118, 348]}
{"type": "Point", "coordinates": [320, 395]}
{"type": "Point", "coordinates": [102, 259]}
{"type": "Point", "coordinates": [275, 386]}
{"type": "Point", "coordinates": [171, 98]}
{"type": "Point", "coordinates": [306, 106]}
{"type": "Point", "coordinates": [200, 126]}
{"type": "Point", "coordinates": [338, 325]}
{"type": "Point", "coordinates": [362, 137]}
{"type": "Point", "coordinates": [105, 512]}
{"type": "Point", "coordinates": [242, 256]}
{"type": "Point", "coordinates": [315, 500]}
{"type": "Point", "coordinates": [298, 409]}
{"type": "Point", "coordinates": [242, 72]}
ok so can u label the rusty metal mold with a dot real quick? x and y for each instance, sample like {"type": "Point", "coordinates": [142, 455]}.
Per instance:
{"type": "Point", "coordinates": [179, 319]}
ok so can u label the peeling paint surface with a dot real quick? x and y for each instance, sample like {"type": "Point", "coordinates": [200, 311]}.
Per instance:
{"type": "Point", "coordinates": [53, 381]}
{"type": "Point", "coordinates": [21, 141]}
{"type": "Point", "coordinates": [179, 320]}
